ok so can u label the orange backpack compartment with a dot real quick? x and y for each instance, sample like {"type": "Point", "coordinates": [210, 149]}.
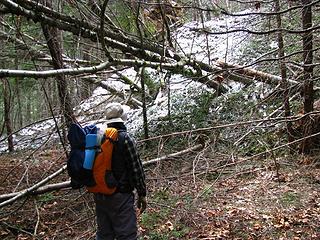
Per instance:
{"type": "Point", "coordinates": [102, 171]}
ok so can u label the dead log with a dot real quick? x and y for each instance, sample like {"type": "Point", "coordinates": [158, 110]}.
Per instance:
{"type": "Point", "coordinates": [252, 73]}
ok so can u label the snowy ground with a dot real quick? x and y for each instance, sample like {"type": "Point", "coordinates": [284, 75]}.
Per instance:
{"type": "Point", "coordinates": [192, 40]}
{"type": "Point", "coordinates": [205, 42]}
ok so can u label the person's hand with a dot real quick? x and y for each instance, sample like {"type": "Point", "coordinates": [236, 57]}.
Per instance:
{"type": "Point", "coordinates": [142, 203]}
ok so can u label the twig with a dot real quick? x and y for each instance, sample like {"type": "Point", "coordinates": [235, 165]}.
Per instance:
{"type": "Point", "coordinates": [194, 148]}
{"type": "Point", "coordinates": [22, 177]}
{"type": "Point", "coordinates": [38, 219]}
{"type": "Point", "coordinates": [196, 161]}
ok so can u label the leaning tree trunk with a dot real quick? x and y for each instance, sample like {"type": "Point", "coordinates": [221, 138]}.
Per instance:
{"type": "Point", "coordinates": [308, 93]}
{"type": "Point", "coordinates": [51, 34]}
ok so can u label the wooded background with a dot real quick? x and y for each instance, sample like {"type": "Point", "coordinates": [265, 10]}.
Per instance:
{"type": "Point", "coordinates": [54, 53]}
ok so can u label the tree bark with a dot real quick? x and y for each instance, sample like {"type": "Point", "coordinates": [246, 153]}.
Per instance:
{"type": "Point", "coordinates": [307, 57]}
{"type": "Point", "coordinates": [308, 94]}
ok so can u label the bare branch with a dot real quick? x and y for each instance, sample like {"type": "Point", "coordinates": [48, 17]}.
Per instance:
{"type": "Point", "coordinates": [166, 157]}
{"type": "Point", "coordinates": [51, 73]}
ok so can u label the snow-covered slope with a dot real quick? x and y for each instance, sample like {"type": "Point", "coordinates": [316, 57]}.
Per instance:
{"type": "Point", "coordinates": [207, 41]}
{"type": "Point", "coordinates": [193, 40]}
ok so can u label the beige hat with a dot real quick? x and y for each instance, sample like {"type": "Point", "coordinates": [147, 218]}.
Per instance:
{"type": "Point", "coordinates": [115, 113]}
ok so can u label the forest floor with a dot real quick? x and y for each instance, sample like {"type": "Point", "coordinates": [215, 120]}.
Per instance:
{"type": "Point", "coordinates": [188, 198]}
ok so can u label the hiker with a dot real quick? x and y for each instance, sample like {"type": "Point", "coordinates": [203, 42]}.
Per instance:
{"type": "Point", "coordinates": [116, 215]}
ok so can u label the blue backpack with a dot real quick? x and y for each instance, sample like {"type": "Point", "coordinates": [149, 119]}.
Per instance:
{"type": "Point", "coordinates": [84, 146]}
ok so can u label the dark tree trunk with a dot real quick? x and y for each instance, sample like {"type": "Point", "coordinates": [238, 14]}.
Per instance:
{"type": "Point", "coordinates": [144, 105]}
{"type": "Point", "coordinates": [6, 103]}
{"type": "Point", "coordinates": [52, 37]}
{"type": "Point", "coordinates": [308, 93]}
{"type": "Point", "coordinates": [7, 118]}
{"type": "Point", "coordinates": [283, 70]}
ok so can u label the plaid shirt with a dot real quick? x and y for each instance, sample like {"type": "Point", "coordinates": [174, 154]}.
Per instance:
{"type": "Point", "coordinates": [135, 164]}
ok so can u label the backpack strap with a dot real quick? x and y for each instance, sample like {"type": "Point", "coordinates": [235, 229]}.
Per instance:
{"type": "Point", "coordinates": [120, 159]}
{"type": "Point", "coordinates": [119, 143]}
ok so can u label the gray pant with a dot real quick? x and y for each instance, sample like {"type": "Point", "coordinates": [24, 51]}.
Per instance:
{"type": "Point", "coordinates": [116, 217]}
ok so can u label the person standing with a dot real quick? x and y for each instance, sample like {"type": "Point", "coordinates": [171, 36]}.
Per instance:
{"type": "Point", "coordinates": [115, 214]}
